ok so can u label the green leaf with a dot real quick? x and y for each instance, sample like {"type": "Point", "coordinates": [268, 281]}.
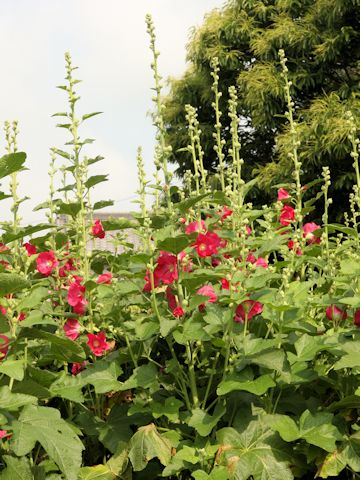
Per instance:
{"type": "Point", "coordinates": [44, 425]}
{"type": "Point", "coordinates": [62, 153]}
{"type": "Point", "coordinates": [16, 469]}
{"type": "Point", "coordinates": [203, 422]}
{"type": "Point", "coordinates": [234, 382]}
{"type": "Point", "coordinates": [97, 472]}
{"type": "Point", "coordinates": [147, 444]}
{"type": "Point", "coordinates": [184, 206]}
{"type": "Point", "coordinates": [13, 401]}
{"type": "Point", "coordinates": [68, 387]}
{"type": "Point", "coordinates": [351, 360]}
{"type": "Point", "coordinates": [11, 163]}
{"type": "Point", "coordinates": [12, 283]}
{"type": "Point", "coordinates": [70, 208]}
{"type": "Point", "coordinates": [103, 204]}
{"type": "Point", "coordinates": [144, 377]}
{"type": "Point", "coordinates": [318, 430]}
{"type": "Point", "coordinates": [284, 425]}
{"type": "Point", "coordinates": [34, 298]}
{"type": "Point", "coordinates": [255, 453]}
{"type": "Point", "coordinates": [95, 180]}
{"type": "Point", "coordinates": [175, 244]}
{"type": "Point", "coordinates": [118, 223]}
{"type": "Point", "coordinates": [62, 348]}
{"type": "Point", "coordinates": [24, 232]}
{"type": "Point", "coordinates": [103, 376]}
{"type": "Point", "coordinates": [13, 369]}
{"type": "Point", "coordinates": [89, 115]}
{"type": "Point", "coordinates": [169, 409]}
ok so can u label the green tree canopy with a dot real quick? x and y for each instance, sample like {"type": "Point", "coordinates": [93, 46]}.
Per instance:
{"type": "Point", "coordinates": [321, 39]}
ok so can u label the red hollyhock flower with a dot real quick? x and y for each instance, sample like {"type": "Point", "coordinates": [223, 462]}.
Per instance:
{"type": "Point", "coordinates": [215, 262]}
{"type": "Point", "coordinates": [105, 278]}
{"type": "Point", "coordinates": [30, 248]}
{"type": "Point", "coordinates": [3, 310]}
{"type": "Point", "coordinates": [46, 262]}
{"type": "Point", "coordinates": [78, 367]}
{"type": "Point", "coordinates": [97, 229]}
{"type": "Point", "coordinates": [357, 318]}
{"type": "Point", "coordinates": [166, 269]}
{"type": "Point", "coordinates": [80, 307]}
{"type": "Point", "coordinates": [308, 229]}
{"type": "Point", "coordinates": [197, 226]}
{"type": "Point", "coordinates": [76, 296]}
{"type": "Point", "coordinates": [225, 284]}
{"type": "Point", "coordinates": [178, 311]}
{"type": "Point", "coordinates": [291, 246]}
{"type": "Point", "coordinates": [207, 244]}
{"type": "Point", "coordinates": [335, 313]}
{"type": "Point", "coordinates": [287, 215]}
{"type": "Point", "coordinates": [97, 343]}
{"type": "Point", "coordinates": [282, 194]}
{"type": "Point", "coordinates": [4, 346]}
{"type": "Point", "coordinates": [69, 266]}
{"type": "Point", "coordinates": [72, 328]}
{"type": "Point", "coordinates": [225, 213]}
{"type": "Point", "coordinates": [21, 316]}
{"type": "Point", "coordinates": [249, 308]}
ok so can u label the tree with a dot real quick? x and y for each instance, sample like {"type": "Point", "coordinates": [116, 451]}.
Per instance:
{"type": "Point", "coordinates": [321, 39]}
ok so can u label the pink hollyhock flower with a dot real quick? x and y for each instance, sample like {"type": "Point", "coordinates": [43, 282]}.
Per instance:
{"type": "Point", "coordinates": [335, 313]}
{"type": "Point", "coordinates": [248, 230]}
{"type": "Point", "coordinates": [97, 229]}
{"type": "Point", "coordinates": [182, 220]}
{"type": "Point", "coordinates": [46, 262]}
{"type": "Point", "coordinates": [207, 244]}
{"type": "Point", "coordinates": [225, 284]}
{"type": "Point", "coordinates": [291, 246]}
{"type": "Point", "coordinates": [215, 262]}
{"type": "Point", "coordinates": [197, 226]}
{"type": "Point", "coordinates": [261, 262]}
{"type": "Point", "coordinates": [3, 248]}
{"type": "Point", "coordinates": [4, 346]}
{"type": "Point", "coordinates": [4, 434]}
{"type": "Point", "coordinates": [21, 316]}
{"type": "Point", "coordinates": [207, 291]}
{"type": "Point", "coordinates": [105, 278]}
{"type": "Point", "coordinates": [78, 367]}
{"type": "Point", "coordinates": [248, 308]}
{"type": "Point", "coordinates": [251, 258]}
{"type": "Point", "coordinates": [80, 307]}
{"type": "Point", "coordinates": [30, 248]}
{"type": "Point", "coordinates": [282, 194]}
{"type": "Point", "coordinates": [287, 215]}
{"type": "Point", "coordinates": [75, 293]}
{"type": "Point", "coordinates": [72, 328]}
{"type": "Point", "coordinates": [308, 229]}
{"type": "Point", "coordinates": [3, 310]}
{"type": "Point", "coordinates": [97, 343]}
{"type": "Point", "coordinates": [357, 318]}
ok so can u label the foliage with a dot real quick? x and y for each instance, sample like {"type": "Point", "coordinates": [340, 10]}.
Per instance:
{"type": "Point", "coordinates": [227, 347]}
{"type": "Point", "coordinates": [321, 41]}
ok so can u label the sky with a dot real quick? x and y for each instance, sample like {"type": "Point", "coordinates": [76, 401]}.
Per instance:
{"type": "Point", "coordinates": [108, 42]}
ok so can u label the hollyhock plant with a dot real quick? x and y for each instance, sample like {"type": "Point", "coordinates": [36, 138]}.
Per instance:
{"type": "Point", "coordinates": [185, 261]}
{"type": "Point", "coordinates": [46, 262]}
{"type": "Point", "coordinates": [97, 229]}
{"type": "Point", "coordinates": [287, 215]}
{"type": "Point", "coordinates": [282, 194]}
{"type": "Point", "coordinates": [247, 309]}
{"type": "Point", "coordinates": [197, 226]}
{"type": "Point", "coordinates": [308, 234]}
{"type": "Point", "coordinates": [76, 296]}
{"type": "Point", "coordinates": [335, 313]}
{"type": "Point", "coordinates": [30, 248]}
{"type": "Point", "coordinates": [225, 213]}
{"type": "Point", "coordinates": [97, 343]}
{"type": "Point", "coordinates": [291, 246]}
{"type": "Point", "coordinates": [104, 278]}
{"type": "Point", "coordinates": [72, 328]}
{"type": "Point", "coordinates": [69, 266]}
{"type": "Point", "coordinates": [207, 244]}
{"type": "Point", "coordinates": [166, 268]}
{"type": "Point", "coordinates": [4, 346]}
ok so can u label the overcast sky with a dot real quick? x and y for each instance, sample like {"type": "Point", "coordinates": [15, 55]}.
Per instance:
{"type": "Point", "coordinates": [108, 41]}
